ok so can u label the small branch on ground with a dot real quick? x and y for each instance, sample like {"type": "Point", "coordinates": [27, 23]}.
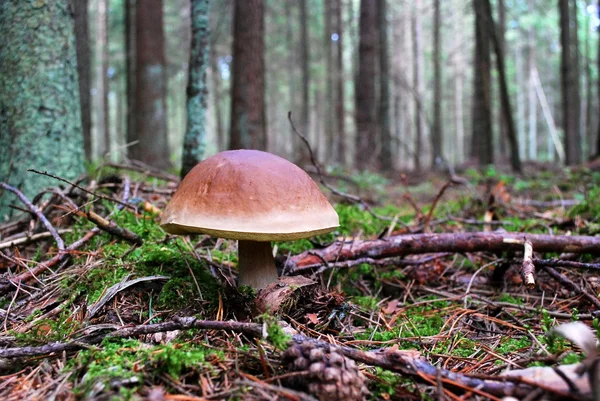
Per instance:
{"type": "Point", "coordinates": [59, 241]}
{"type": "Point", "coordinates": [108, 198]}
{"type": "Point", "coordinates": [412, 244]}
{"type": "Point", "coordinates": [435, 202]}
{"type": "Point", "coordinates": [112, 228]}
{"type": "Point", "coordinates": [571, 285]}
{"type": "Point", "coordinates": [527, 267]}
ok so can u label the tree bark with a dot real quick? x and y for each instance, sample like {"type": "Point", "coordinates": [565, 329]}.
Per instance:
{"type": "Point", "coordinates": [436, 134]}
{"type": "Point", "coordinates": [413, 244]}
{"type": "Point", "coordinates": [194, 141]}
{"type": "Point", "coordinates": [570, 95]}
{"type": "Point", "coordinates": [482, 137]}
{"type": "Point", "coordinates": [366, 130]}
{"type": "Point", "coordinates": [130, 76]}
{"type": "Point", "coordinates": [102, 110]}
{"type": "Point", "coordinates": [40, 118]}
{"type": "Point", "coordinates": [598, 63]}
{"type": "Point", "coordinates": [329, 121]}
{"type": "Point", "coordinates": [515, 160]}
{"type": "Point", "coordinates": [80, 11]}
{"type": "Point", "coordinates": [386, 162]}
{"type": "Point", "coordinates": [417, 83]}
{"type": "Point", "coordinates": [340, 110]}
{"type": "Point", "coordinates": [302, 155]}
{"type": "Point", "coordinates": [248, 123]}
{"type": "Point", "coordinates": [150, 87]}
{"type": "Point", "coordinates": [501, 38]}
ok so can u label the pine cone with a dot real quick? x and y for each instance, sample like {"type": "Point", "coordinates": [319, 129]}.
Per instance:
{"type": "Point", "coordinates": [330, 376]}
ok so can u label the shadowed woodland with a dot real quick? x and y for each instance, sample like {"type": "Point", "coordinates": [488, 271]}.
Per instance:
{"type": "Point", "coordinates": [436, 237]}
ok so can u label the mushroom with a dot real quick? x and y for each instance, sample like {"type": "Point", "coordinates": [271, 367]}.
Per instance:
{"type": "Point", "coordinates": [254, 197]}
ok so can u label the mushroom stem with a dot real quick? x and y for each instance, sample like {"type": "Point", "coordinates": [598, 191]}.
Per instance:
{"type": "Point", "coordinates": [256, 264]}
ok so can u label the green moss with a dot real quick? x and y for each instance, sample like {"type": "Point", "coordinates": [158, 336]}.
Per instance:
{"type": "Point", "coordinates": [513, 344]}
{"type": "Point", "coordinates": [125, 359]}
{"type": "Point", "coordinates": [277, 336]}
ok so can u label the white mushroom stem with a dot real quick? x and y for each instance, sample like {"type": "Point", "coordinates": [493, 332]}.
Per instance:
{"type": "Point", "coordinates": [256, 264]}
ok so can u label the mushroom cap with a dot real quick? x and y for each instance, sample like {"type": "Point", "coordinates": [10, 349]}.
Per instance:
{"type": "Point", "coordinates": [249, 195]}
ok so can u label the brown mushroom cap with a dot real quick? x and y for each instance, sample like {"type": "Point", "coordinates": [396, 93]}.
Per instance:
{"type": "Point", "coordinates": [249, 195]}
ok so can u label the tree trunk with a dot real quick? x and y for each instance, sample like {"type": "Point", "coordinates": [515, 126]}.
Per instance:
{"type": "Point", "coordinates": [417, 83]}
{"type": "Point", "coordinates": [515, 160]}
{"type": "Point", "coordinates": [365, 85]}
{"type": "Point", "coordinates": [194, 141]}
{"type": "Point", "coordinates": [482, 140]}
{"type": "Point", "coordinates": [299, 147]}
{"type": "Point", "coordinates": [248, 123]}
{"type": "Point", "coordinates": [570, 95]}
{"type": "Point", "coordinates": [588, 90]}
{"type": "Point", "coordinates": [436, 134]}
{"type": "Point", "coordinates": [531, 92]}
{"type": "Point", "coordinates": [150, 87]}
{"type": "Point", "coordinates": [130, 76]}
{"type": "Point", "coordinates": [102, 110]}
{"type": "Point", "coordinates": [598, 132]}
{"type": "Point", "coordinates": [576, 75]}
{"type": "Point", "coordinates": [501, 38]}
{"type": "Point", "coordinates": [386, 162]}
{"type": "Point", "coordinates": [458, 66]}
{"type": "Point", "coordinates": [80, 11]}
{"type": "Point", "coordinates": [291, 62]}
{"type": "Point", "coordinates": [330, 134]}
{"type": "Point", "coordinates": [340, 110]}
{"type": "Point", "coordinates": [40, 122]}
{"type": "Point", "coordinates": [216, 90]}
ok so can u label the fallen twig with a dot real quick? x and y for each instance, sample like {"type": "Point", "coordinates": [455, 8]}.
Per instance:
{"type": "Point", "coordinates": [112, 228]}
{"type": "Point", "coordinates": [9, 243]}
{"type": "Point", "coordinates": [59, 241]}
{"type": "Point", "coordinates": [571, 285]}
{"type": "Point", "coordinates": [411, 244]}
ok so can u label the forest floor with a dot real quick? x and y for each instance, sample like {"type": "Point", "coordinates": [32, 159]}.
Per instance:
{"type": "Point", "coordinates": [129, 312]}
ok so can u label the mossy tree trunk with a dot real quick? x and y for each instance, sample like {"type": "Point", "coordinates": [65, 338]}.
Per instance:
{"type": "Point", "coordinates": [40, 117]}
{"type": "Point", "coordinates": [194, 141]}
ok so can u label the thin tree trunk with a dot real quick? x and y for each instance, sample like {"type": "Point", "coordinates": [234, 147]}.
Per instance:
{"type": "Point", "coordinates": [436, 134]}
{"type": "Point", "coordinates": [588, 90]}
{"type": "Point", "coordinates": [102, 111]}
{"type": "Point", "coordinates": [458, 86]}
{"type": "Point", "coordinates": [576, 75]}
{"type": "Point", "coordinates": [531, 92]}
{"type": "Point", "coordinates": [570, 104]}
{"type": "Point", "coordinates": [385, 136]}
{"type": "Point", "coordinates": [130, 77]}
{"type": "Point", "coordinates": [340, 110]}
{"type": "Point", "coordinates": [299, 147]}
{"type": "Point", "coordinates": [365, 86]}
{"type": "Point", "coordinates": [216, 90]}
{"type": "Point", "coordinates": [515, 160]}
{"type": "Point", "coordinates": [520, 102]}
{"type": "Point", "coordinates": [329, 123]}
{"type": "Point", "coordinates": [291, 71]}
{"type": "Point", "coordinates": [417, 83]}
{"type": "Point", "coordinates": [482, 139]}
{"type": "Point", "coordinates": [194, 141]}
{"type": "Point", "coordinates": [501, 38]}
{"type": "Point", "coordinates": [151, 115]}
{"type": "Point", "coordinates": [80, 11]}
{"type": "Point", "coordinates": [598, 63]}
{"type": "Point", "coordinates": [248, 122]}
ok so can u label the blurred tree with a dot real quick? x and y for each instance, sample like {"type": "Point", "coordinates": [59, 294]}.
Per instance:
{"type": "Point", "coordinates": [329, 123]}
{"type": "Point", "coordinates": [40, 122]}
{"type": "Point", "coordinates": [340, 110]}
{"type": "Point", "coordinates": [101, 96]}
{"type": "Point", "coordinates": [194, 142]}
{"type": "Point", "coordinates": [570, 87]}
{"type": "Point", "coordinates": [598, 105]}
{"type": "Point", "coordinates": [366, 129]}
{"type": "Point", "coordinates": [299, 147]}
{"type": "Point", "coordinates": [386, 162]}
{"type": "Point", "coordinates": [419, 115]}
{"type": "Point", "coordinates": [152, 147]}
{"type": "Point", "coordinates": [248, 123]}
{"type": "Point", "coordinates": [436, 134]}
{"type": "Point", "coordinates": [502, 41]}
{"type": "Point", "coordinates": [80, 12]}
{"type": "Point", "coordinates": [488, 21]}
{"type": "Point", "coordinates": [130, 116]}
{"type": "Point", "coordinates": [482, 138]}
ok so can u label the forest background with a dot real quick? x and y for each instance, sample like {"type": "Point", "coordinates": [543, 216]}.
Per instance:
{"type": "Point", "coordinates": [375, 85]}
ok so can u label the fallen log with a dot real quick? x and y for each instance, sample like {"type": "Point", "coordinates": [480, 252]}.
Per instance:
{"type": "Point", "coordinates": [412, 244]}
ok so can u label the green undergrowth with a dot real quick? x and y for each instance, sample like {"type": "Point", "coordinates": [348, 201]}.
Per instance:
{"type": "Point", "coordinates": [158, 255]}
{"type": "Point", "coordinates": [122, 366]}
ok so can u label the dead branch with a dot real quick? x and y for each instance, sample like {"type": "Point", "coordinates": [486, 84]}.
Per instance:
{"type": "Point", "coordinates": [112, 228]}
{"type": "Point", "coordinates": [26, 239]}
{"type": "Point", "coordinates": [527, 267]}
{"type": "Point", "coordinates": [59, 241]}
{"type": "Point", "coordinates": [108, 198]}
{"type": "Point", "coordinates": [404, 362]}
{"type": "Point", "coordinates": [571, 285]}
{"type": "Point", "coordinates": [411, 244]}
